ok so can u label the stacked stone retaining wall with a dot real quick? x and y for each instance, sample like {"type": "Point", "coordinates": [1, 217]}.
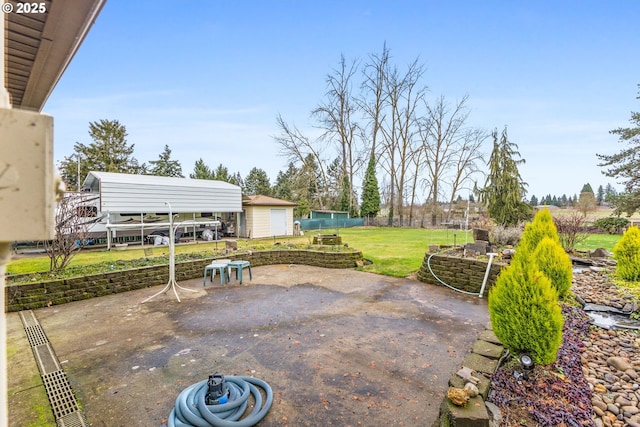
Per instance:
{"type": "Point", "coordinates": [36, 295]}
{"type": "Point", "coordinates": [462, 273]}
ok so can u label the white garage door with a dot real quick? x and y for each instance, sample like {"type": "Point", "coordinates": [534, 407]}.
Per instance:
{"type": "Point", "coordinates": [278, 222]}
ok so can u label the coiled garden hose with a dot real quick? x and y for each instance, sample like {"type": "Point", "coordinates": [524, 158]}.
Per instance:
{"type": "Point", "coordinates": [191, 410]}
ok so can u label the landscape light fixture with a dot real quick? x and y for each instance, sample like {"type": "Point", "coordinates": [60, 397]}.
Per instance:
{"type": "Point", "coordinates": [527, 365]}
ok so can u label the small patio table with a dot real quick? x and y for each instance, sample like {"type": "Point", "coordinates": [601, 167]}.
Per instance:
{"type": "Point", "coordinates": [239, 266]}
{"type": "Point", "coordinates": [219, 265]}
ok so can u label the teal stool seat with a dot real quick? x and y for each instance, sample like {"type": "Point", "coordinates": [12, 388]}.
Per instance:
{"type": "Point", "coordinates": [239, 266]}
{"type": "Point", "coordinates": [220, 266]}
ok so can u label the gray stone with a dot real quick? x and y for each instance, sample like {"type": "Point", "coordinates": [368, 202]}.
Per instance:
{"type": "Point", "coordinates": [489, 336]}
{"type": "Point", "coordinates": [480, 234]}
{"type": "Point", "coordinates": [473, 414]}
{"type": "Point", "coordinates": [630, 410]}
{"type": "Point", "coordinates": [466, 374]}
{"type": "Point", "coordinates": [483, 385]}
{"type": "Point", "coordinates": [480, 363]}
{"type": "Point", "coordinates": [479, 247]}
{"type": "Point", "coordinates": [508, 253]}
{"type": "Point", "coordinates": [622, 401]}
{"type": "Point", "coordinates": [613, 409]}
{"type": "Point", "coordinates": [619, 363]}
{"type": "Point", "coordinates": [601, 308]}
{"type": "Point", "coordinates": [599, 404]}
{"type": "Point", "coordinates": [610, 378]}
{"type": "Point", "coordinates": [487, 349]}
{"type": "Point", "coordinates": [495, 414]}
{"type": "Point", "coordinates": [600, 253]}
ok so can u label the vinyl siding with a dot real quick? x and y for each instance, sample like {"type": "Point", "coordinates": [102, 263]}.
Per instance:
{"type": "Point", "coordinates": [259, 220]}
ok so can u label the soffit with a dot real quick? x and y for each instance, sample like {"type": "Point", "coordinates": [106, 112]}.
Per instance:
{"type": "Point", "coordinates": [39, 47]}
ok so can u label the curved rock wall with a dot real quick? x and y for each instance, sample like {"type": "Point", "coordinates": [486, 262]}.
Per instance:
{"type": "Point", "coordinates": [36, 295]}
{"type": "Point", "coordinates": [462, 273]}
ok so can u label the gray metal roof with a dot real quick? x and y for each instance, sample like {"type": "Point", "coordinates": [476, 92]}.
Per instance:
{"type": "Point", "coordinates": [121, 192]}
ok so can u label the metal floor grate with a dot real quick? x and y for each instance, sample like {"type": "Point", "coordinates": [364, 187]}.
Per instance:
{"type": "Point", "coordinates": [36, 335]}
{"type": "Point", "coordinates": [63, 401]}
{"type": "Point", "coordinates": [73, 420]}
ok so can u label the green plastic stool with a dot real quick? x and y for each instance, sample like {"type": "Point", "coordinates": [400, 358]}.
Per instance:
{"type": "Point", "coordinates": [239, 266]}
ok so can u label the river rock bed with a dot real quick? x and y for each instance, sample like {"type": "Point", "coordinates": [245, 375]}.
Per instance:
{"type": "Point", "coordinates": [610, 361]}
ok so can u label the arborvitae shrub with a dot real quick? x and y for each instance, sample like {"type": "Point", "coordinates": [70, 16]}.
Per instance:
{"type": "Point", "coordinates": [627, 254]}
{"type": "Point", "coordinates": [524, 311]}
{"type": "Point", "coordinates": [554, 262]}
{"type": "Point", "coordinates": [542, 226]}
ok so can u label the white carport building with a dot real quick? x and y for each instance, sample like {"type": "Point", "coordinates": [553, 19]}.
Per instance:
{"type": "Point", "coordinates": [127, 198]}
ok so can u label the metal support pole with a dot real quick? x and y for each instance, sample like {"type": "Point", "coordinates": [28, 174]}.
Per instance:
{"type": "Point", "coordinates": [5, 255]}
{"type": "Point", "coordinates": [486, 273]}
{"type": "Point", "coordinates": [78, 183]}
{"type": "Point", "coordinates": [171, 284]}
{"type": "Point", "coordinates": [108, 231]}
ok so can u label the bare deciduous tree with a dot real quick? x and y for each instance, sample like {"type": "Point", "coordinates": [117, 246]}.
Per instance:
{"type": "Point", "coordinates": [418, 147]}
{"type": "Point", "coordinates": [71, 228]}
{"type": "Point", "coordinates": [442, 133]}
{"type": "Point", "coordinates": [299, 149]}
{"type": "Point", "coordinates": [464, 160]}
{"type": "Point", "coordinates": [400, 129]}
{"type": "Point", "coordinates": [336, 117]}
{"type": "Point", "coordinates": [571, 230]}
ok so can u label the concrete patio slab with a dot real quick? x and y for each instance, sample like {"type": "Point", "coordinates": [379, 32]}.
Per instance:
{"type": "Point", "coordinates": [338, 347]}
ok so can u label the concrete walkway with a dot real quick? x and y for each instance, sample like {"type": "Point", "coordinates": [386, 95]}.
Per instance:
{"type": "Point", "coordinates": [338, 347]}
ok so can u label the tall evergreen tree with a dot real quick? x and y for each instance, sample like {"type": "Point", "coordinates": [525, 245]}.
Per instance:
{"type": "Point", "coordinates": [221, 173]}
{"type": "Point", "coordinates": [236, 179]}
{"type": "Point", "coordinates": [370, 192]}
{"type": "Point", "coordinates": [587, 189]}
{"type": "Point", "coordinates": [609, 192]}
{"type": "Point", "coordinates": [257, 182]}
{"type": "Point", "coordinates": [600, 195]}
{"type": "Point", "coordinates": [504, 188]}
{"type": "Point", "coordinates": [164, 166]}
{"type": "Point", "coordinates": [625, 166]}
{"type": "Point", "coordinates": [284, 188]}
{"type": "Point", "coordinates": [109, 152]}
{"type": "Point", "coordinates": [201, 171]}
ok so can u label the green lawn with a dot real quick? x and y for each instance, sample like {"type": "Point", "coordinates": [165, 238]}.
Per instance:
{"type": "Point", "coordinates": [595, 241]}
{"type": "Point", "coordinates": [393, 251]}
{"type": "Point", "coordinates": [89, 257]}
{"type": "Point", "coordinates": [399, 251]}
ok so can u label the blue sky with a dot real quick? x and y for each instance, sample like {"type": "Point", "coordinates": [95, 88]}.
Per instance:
{"type": "Point", "coordinates": [208, 78]}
